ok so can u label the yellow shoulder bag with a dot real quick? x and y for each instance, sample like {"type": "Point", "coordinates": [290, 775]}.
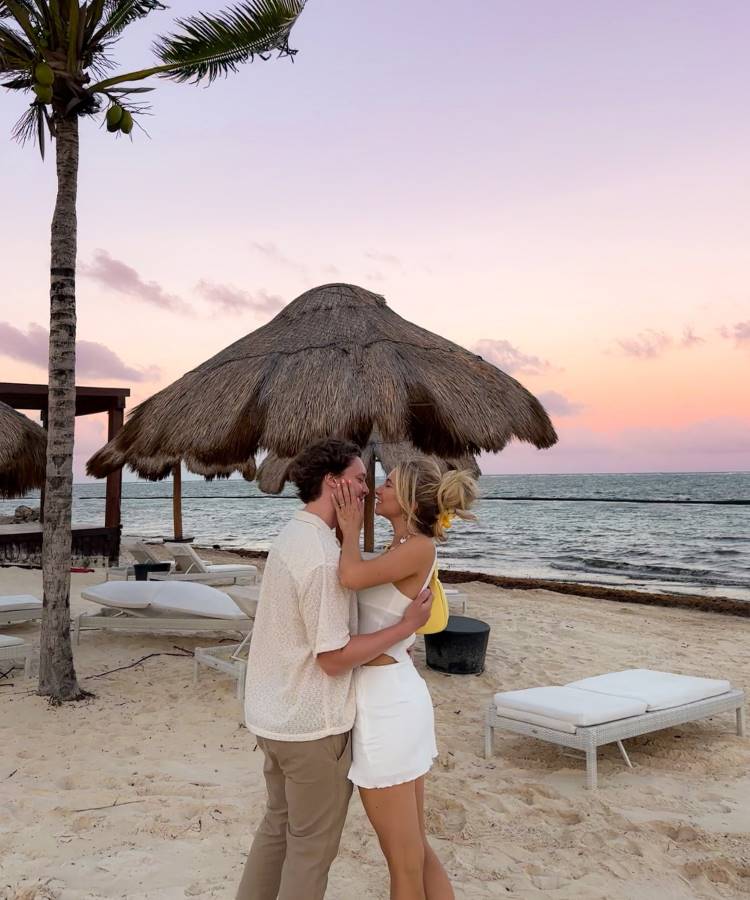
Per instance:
{"type": "Point", "coordinates": [438, 620]}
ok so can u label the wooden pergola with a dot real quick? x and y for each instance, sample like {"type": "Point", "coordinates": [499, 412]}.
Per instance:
{"type": "Point", "coordinates": [89, 401]}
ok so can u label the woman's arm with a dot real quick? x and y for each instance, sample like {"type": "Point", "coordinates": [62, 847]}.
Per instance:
{"type": "Point", "coordinates": [403, 561]}
{"type": "Point", "coordinates": [356, 573]}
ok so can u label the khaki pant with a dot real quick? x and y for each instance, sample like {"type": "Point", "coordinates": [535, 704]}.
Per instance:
{"type": "Point", "coordinates": [298, 839]}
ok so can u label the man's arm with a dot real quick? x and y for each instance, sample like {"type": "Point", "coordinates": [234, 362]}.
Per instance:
{"type": "Point", "coordinates": [363, 648]}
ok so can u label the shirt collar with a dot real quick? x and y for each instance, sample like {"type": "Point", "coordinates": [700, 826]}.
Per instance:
{"type": "Point", "coordinates": [312, 519]}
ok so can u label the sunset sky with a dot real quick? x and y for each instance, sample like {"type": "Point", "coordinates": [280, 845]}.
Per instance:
{"type": "Point", "coordinates": [562, 187]}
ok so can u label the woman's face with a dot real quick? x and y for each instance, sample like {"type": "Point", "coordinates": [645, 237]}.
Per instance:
{"type": "Point", "coordinates": [386, 502]}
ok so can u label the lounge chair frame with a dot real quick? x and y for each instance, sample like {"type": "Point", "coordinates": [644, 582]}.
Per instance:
{"type": "Point", "coordinates": [195, 565]}
{"type": "Point", "coordinates": [134, 620]}
{"type": "Point", "coordinates": [590, 738]}
{"type": "Point", "coordinates": [224, 658]}
{"type": "Point", "coordinates": [15, 616]}
{"type": "Point", "coordinates": [18, 653]}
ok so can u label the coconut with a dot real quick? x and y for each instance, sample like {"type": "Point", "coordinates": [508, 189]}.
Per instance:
{"type": "Point", "coordinates": [126, 122]}
{"type": "Point", "coordinates": [114, 116]}
{"type": "Point", "coordinates": [43, 93]}
{"type": "Point", "coordinates": [44, 74]}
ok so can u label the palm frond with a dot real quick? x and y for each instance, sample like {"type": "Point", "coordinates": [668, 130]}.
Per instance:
{"type": "Point", "coordinates": [16, 53]}
{"type": "Point", "coordinates": [96, 61]}
{"type": "Point", "coordinates": [6, 13]}
{"type": "Point", "coordinates": [33, 127]}
{"type": "Point", "coordinates": [25, 129]}
{"type": "Point", "coordinates": [26, 17]}
{"type": "Point", "coordinates": [118, 14]}
{"type": "Point", "coordinates": [211, 45]}
{"type": "Point", "coordinates": [18, 83]}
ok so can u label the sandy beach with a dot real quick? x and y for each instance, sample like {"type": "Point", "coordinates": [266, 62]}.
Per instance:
{"type": "Point", "coordinates": [152, 789]}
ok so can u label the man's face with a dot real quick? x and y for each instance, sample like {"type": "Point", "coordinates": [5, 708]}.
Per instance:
{"type": "Point", "coordinates": [356, 474]}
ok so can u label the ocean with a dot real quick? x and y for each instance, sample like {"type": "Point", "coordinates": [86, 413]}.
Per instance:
{"type": "Point", "coordinates": [603, 529]}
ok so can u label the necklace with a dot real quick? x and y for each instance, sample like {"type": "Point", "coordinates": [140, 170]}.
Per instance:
{"type": "Point", "coordinates": [401, 540]}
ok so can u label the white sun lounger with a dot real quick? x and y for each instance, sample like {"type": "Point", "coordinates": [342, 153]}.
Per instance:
{"type": "Point", "coordinates": [188, 563]}
{"type": "Point", "coordinates": [141, 553]}
{"type": "Point", "coordinates": [454, 596]}
{"type": "Point", "coordinates": [19, 608]}
{"type": "Point", "coordinates": [164, 607]}
{"type": "Point", "coordinates": [14, 650]}
{"type": "Point", "coordinates": [230, 658]}
{"type": "Point", "coordinates": [607, 709]}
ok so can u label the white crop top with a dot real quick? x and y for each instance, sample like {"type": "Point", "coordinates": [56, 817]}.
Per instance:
{"type": "Point", "coordinates": [382, 606]}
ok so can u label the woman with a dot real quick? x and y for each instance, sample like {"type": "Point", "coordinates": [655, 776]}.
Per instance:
{"type": "Point", "coordinates": [393, 741]}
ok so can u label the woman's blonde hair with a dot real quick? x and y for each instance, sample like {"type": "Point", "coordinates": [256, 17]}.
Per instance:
{"type": "Point", "coordinates": [429, 498]}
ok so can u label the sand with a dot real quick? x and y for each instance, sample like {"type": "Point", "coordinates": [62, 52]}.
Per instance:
{"type": "Point", "coordinates": [153, 788]}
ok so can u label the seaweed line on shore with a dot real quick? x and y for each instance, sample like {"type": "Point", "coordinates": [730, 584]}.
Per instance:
{"type": "Point", "coordinates": [724, 605]}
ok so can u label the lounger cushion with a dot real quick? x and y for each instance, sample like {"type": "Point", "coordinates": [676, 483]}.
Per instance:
{"type": "Point", "coordinates": [230, 569]}
{"type": "Point", "coordinates": [246, 597]}
{"type": "Point", "coordinates": [122, 594]}
{"type": "Point", "coordinates": [183, 598]}
{"type": "Point", "coordinates": [193, 599]}
{"type": "Point", "coordinates": [18, 602]}
{"type": "Point", "coordinates": [570, 705]}
{"type": "Point", "coordinates": [532, 719]}
{"type": "Point", "coordinates": [658, 690]}
{"type": "Point", "coordinates": [7, 641]}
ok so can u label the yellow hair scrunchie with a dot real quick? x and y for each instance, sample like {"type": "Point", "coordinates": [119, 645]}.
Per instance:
{"type": "Point", "coordinates": [445, 520]}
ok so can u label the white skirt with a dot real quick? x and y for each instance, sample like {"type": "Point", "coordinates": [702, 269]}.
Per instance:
{"type": "Point", "coordinates": [393, 739]}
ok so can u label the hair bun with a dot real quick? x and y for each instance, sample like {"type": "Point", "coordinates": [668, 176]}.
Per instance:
{"type": "Point", "coordinates": [457, 493]}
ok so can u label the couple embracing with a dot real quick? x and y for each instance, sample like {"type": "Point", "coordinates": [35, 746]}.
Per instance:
{"type": "Point", "coordinates": [332, 696]}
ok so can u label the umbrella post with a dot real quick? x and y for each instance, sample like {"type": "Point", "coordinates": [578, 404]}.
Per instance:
{"type": "Point", "coordinates": [370, 506]}
{"type": "Point", "coordinates": [177, 501]}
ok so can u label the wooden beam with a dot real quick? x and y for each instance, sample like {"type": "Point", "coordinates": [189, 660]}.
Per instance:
{"type": "Point", "coordinates": [177, 501]}
{"type": "Point", "coordinates": [89, 400]}
{"type": "Point", "coordinates": [113, 503]}
{"type": "Point", "coordinates": [370, 507]}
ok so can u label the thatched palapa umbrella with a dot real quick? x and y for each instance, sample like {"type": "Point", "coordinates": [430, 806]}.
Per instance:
{"type": "Point", "coordinates": [23, 448]}
{"type": "Point", "coordinates": [335, 361]}
{"type": "Point", "coordinates": [272, 472]}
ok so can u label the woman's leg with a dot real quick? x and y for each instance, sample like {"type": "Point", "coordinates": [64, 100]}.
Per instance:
{"type": "Point", "coordinates": [436, 883]}
{"type": "Point", "coordinates": [393, 813]}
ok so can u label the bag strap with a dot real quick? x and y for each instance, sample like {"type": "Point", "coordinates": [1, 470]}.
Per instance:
{"type": "Point", "coordinates": [432, 572]}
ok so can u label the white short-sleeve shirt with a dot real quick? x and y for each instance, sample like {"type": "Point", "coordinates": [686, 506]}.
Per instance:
{"type": "Point", "coordinates": [303, 610]}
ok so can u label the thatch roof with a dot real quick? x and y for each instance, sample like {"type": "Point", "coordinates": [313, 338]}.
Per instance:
{"type": "Point", "coordinates": [160, 466]}
{"type": "Point", "coordinates": [335, 361]}
{"type": "Point", "coordinates": [23, 450]}
{"type": "Point", "coordinates": [272, 472]}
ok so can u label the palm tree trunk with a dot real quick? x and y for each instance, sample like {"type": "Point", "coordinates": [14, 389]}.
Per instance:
{"type": "Point", "coordinates": [57, 676]}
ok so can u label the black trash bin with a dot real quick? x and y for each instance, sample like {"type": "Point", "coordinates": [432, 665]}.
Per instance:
{"type": "Point", "coordinates": [141, 570]}
{"type": "Point", "coordinates": [461, 648]}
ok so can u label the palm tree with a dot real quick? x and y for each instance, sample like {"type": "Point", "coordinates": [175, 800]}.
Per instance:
{"type": "Point", "coordinates": [58, 51]}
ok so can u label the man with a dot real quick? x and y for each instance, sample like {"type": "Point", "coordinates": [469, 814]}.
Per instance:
{"type": "Point", "coordinates": [299, 700]}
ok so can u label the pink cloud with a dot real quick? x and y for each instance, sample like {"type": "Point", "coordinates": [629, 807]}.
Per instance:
{"type": "Point", "coordinates": [509, 358]}
{"type": "Point", "coordinates": [386, 259]}
{"type": "Point", "coordinates": [739, 333]}
{"type": "Point", "coordinates": [275, 255]}
{"type": "Point", "coordinates": [123, 279]}
{"type": "Point", "coordinates": [234, 300]}
{"type": "Point", "coordinates": [651, 344]}
{"type": "Point", "coordinates": [92, 359]}
{"type": "Point", "coordinates": [690, 338]}
{"type": "Point", "coordinates": [558, 405]}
